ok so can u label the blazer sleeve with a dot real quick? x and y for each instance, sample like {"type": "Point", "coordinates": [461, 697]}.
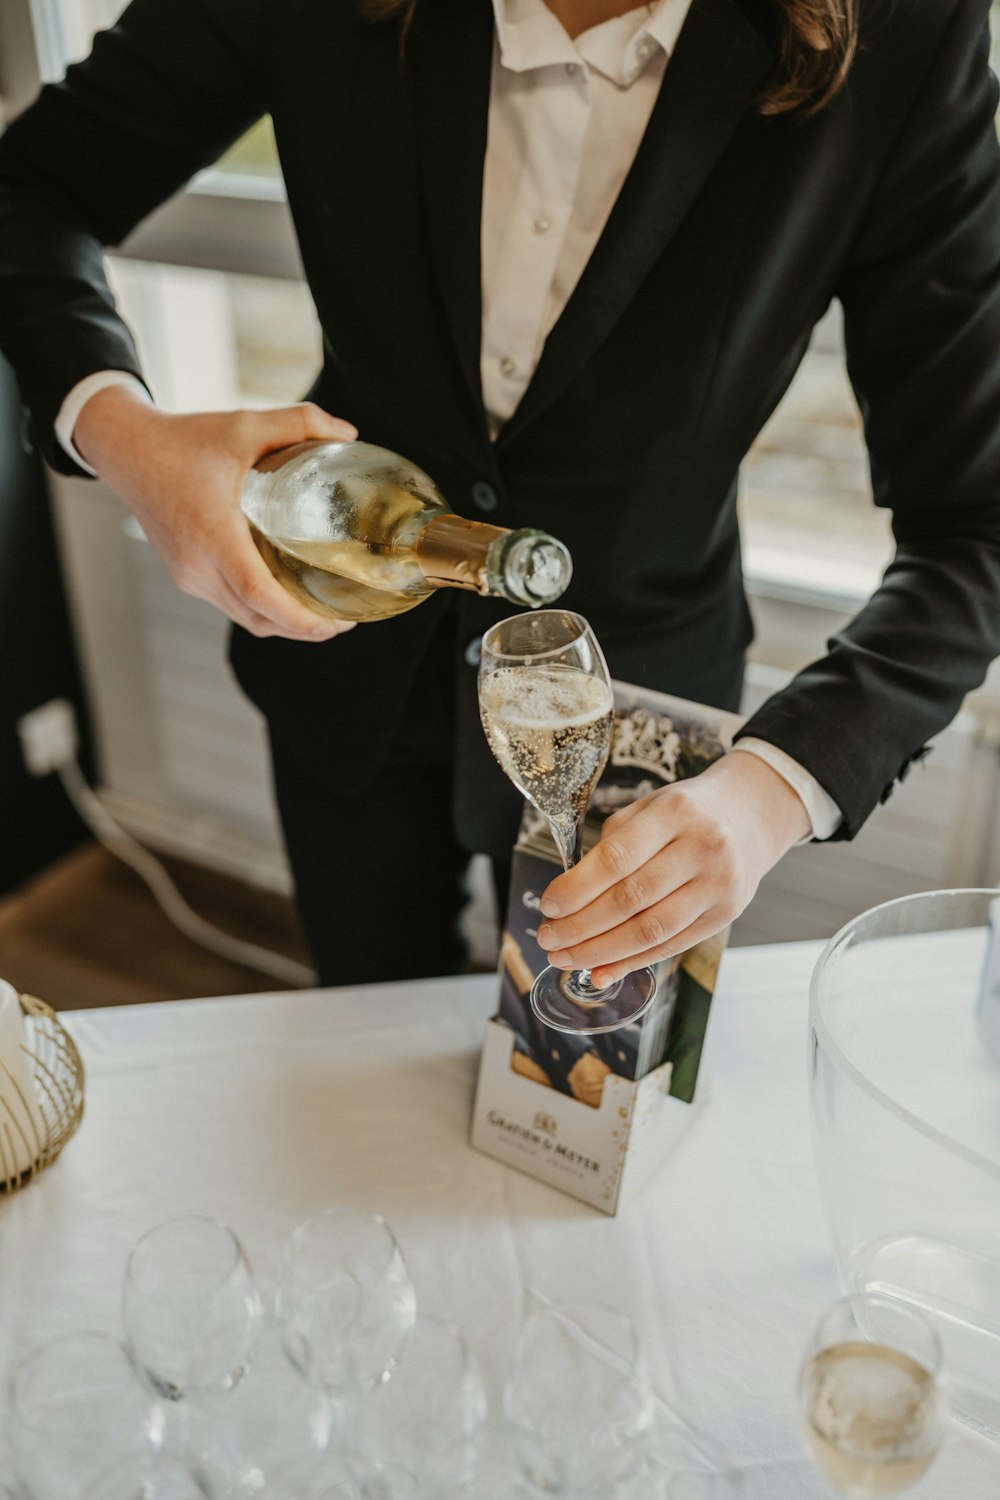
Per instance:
{"type": "Point", "coordinates": [921, 300]}
{"type": "Point", "coordinates": [162, 94]}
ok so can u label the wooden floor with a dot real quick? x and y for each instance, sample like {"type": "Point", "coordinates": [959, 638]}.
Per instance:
{"type": "Point", "coordinates": [87, 932]}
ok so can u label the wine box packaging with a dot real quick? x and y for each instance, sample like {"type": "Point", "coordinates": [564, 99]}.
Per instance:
{"type": "Point", "coordinates": [596, 1115]}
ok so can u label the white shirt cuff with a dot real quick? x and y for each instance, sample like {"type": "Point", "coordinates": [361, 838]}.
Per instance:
{"type": "Point", "coordinates": [77, 399]}
{"type": "Point", "coordinates": [824, 814]}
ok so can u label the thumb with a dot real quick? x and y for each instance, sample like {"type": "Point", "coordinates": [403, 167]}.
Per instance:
{"type": "Point", "coordinates": [299, 424]}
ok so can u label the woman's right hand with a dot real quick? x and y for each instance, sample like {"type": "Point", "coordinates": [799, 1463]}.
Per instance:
{"type": "Point", "coordinates": [181, 476]}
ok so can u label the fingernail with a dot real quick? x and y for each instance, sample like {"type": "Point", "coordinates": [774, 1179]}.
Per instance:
{"type": "Point", "coordinates": [550, 908]}
{"type": "Point", "coordinates": [346, 430]}
{"type": "Point", "coordinates": [544, 935]}
{"type": "Point", "coordinates": [561, 960]}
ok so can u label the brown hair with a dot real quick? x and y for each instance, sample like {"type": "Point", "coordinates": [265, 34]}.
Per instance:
{"type": "Point", "coordinates": [816, 42]}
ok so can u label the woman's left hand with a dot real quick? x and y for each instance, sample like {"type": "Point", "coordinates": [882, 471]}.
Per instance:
{"type": "Point", "coordinates": [671, 869]}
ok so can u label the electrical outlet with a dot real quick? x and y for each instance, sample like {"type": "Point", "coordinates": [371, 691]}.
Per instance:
{"type": "Point", "coordinates": [48, 736]}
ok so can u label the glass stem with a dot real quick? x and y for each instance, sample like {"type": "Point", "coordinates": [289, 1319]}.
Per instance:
{"type": "Point", "coordinates": [175, 1439]}
{"type": "Point", "coordinates": [569, 845]}
{"type": "Point", "coordinates": [578, 984]}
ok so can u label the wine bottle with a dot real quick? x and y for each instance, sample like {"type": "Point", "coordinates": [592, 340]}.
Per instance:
{"type": "Point", "coordinates": [358, 533]}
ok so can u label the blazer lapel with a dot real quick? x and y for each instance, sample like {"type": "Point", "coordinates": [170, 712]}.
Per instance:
{"type": "Point", "coordinates": [451, 54]}
{"type": "Point", "coordinates": [717, 68]}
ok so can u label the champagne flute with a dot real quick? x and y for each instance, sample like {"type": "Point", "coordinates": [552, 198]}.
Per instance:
{"type": "Point", "coordinates": [870, 1400]}
{"type": "Point", "coordinates": [547, 708]}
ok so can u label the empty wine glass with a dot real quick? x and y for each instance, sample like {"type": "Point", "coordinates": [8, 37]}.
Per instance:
{"type": "Point", "coordinates": [429, 1417]}
{"type": "Point", "coordinates": [547, 708]}
{"type": "Point", "coordinates": [192, 1309]}
{"type": "Point", "coordinates": [271, 1433]}
{"type": "Point", "coordinates": [75, 1408]}
{"type": "Point", "coordinates": [578, 1404]}
{"type": "Point", "coordinates": [345, 1300]}
{"type": "Point", "coordinates": [870, 1399]}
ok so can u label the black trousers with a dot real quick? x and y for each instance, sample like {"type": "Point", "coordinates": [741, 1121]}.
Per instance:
{"type": "Point", "coordinates": [380, 877]}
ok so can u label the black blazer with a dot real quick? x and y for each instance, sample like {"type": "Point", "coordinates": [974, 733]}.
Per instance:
{"type": "Point", "coordinates": [730, 237]}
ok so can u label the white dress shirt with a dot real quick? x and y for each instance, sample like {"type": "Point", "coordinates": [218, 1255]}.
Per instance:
{"type": "Point", "coordinates": [565, 121]}
{"type": "Point", "coordinates": [566, 118]}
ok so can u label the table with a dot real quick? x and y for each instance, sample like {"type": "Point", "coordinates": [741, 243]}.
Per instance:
{"type": "Point", "coordinates": [262, 1109]}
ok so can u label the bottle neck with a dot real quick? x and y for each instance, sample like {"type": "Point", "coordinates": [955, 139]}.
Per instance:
{"type": "Point", "coordinates": [454, 553]}
{"type": "Point", "coordinates": [526, 567]}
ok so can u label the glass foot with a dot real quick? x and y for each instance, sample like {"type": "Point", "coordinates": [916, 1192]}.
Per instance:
{"type": "Point", "coordinates": [561, 1000]}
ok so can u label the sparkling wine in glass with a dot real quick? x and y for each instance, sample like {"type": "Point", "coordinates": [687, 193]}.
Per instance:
{"type": "Point", "coordinates": [547, 707]}
{"type": "Point", "coordinates": [870, 1400]}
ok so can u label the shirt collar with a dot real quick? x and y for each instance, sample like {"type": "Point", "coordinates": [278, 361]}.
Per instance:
{"type": "Point", "coordinates": [529, 36]}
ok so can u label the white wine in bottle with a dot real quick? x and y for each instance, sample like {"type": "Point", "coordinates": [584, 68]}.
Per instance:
{"type": "Point", "coordinates": [358, 533]}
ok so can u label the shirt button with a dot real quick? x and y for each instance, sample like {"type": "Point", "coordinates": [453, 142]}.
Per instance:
{"type": "Point", "coordinates": [473, 651]}
{"type": "Point", "coordinates": [507, 366]}
{"type": "Point", "coordinates": [484, 496]}
{"type": "Point", "coordinates": [572, 69]}
{"type": "Point", "coordinates": [542, 224]}
{"type": "Point", "coordinates": [646, 48]}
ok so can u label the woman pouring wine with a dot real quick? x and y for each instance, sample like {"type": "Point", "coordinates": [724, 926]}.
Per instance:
{"type": "Point", "coordinates": [566, 255]}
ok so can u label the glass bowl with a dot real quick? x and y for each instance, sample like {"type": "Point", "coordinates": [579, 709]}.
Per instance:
{"type": "Point", "coordinates": [905, 1090]}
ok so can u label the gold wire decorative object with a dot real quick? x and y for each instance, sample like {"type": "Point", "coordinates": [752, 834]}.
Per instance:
{"type": "Point", "coordinates": [57, 1073]}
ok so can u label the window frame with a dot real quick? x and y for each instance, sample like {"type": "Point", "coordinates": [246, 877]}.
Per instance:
{"type": "Point", "coordinates": [221, 221]}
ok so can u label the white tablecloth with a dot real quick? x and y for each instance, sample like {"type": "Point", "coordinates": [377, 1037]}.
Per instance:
{"type": "Point", "coordinates": [260, 1110]}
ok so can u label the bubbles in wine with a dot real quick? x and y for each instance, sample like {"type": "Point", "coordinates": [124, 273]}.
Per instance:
{"type": "Point", "coordinates": [550, 729]}
{"type": "Point", "coordinates": [871, 1417]}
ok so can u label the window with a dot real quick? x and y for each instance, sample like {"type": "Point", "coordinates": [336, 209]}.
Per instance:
{"type": "Point", "coordinates": [810, 529]}
{"type": "Point", "coordinates": [215, 339]}
{"type": "Point", "coordinates": [809, 526]}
